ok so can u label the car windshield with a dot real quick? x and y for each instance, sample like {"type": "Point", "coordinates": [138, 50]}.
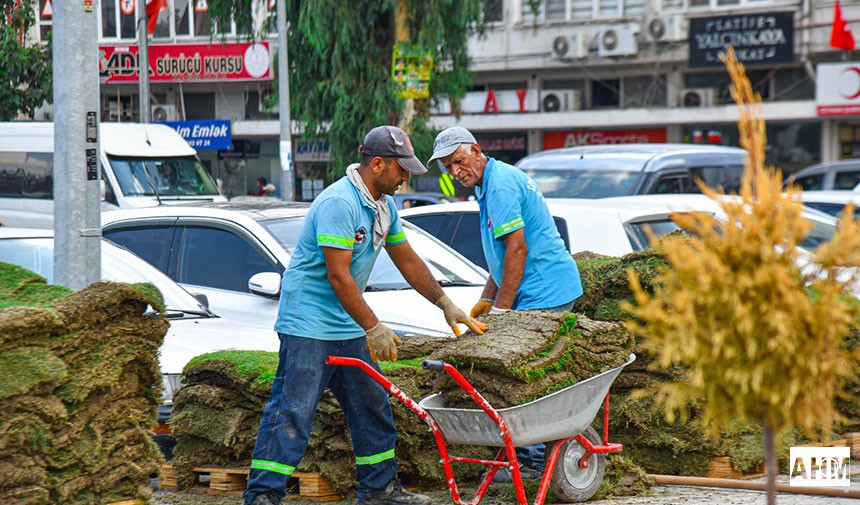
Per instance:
{"type": "Point", "coordinates": [173, 176]}
{"type": "Point", "coordinates": [118, 265]}
{"type": "Point", "coordinates": [447, 267]}
{"type": "Point", "coordinates": [583, 183]}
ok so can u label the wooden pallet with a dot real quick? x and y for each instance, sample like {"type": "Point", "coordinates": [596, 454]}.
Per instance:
{"type": "Point", "coordinates": [853, 440]}
{"type": "Point", "coordinates": [721, 468]}
{"type": "Point", "coordinates": [167, 477]}
{"type": "Point", "coordinates": [312, 486]}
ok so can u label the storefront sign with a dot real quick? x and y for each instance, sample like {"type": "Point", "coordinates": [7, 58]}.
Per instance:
{"type": "Point", "coordinates": [837, 89]}
{"type": "Point", "coordinates": [204, 135]}
{"type": "Point", "coordinates": [188, 62]}
{"type": "Point", "coordinates": [553, 140]}
{"type": "Point", "coordinates": [313, 150]}
{"type": "Point", "coordinates": [758, 39]}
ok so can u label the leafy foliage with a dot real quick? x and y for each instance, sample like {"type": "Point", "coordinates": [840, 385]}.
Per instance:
{"type": "Point", "coordinates": [25, 72]}
{"type": "Point", "coordinates": [340, 64]}
{"type": "Point", "coordinates": [758, 321]}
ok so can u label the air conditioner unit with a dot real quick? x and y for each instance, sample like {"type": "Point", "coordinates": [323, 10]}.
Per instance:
{"type": "Point", "coordinates": [617, 40]}
{"type": "Point", "coordinates": [665, 29]}
{"type": "Point", "coordinates": [560, 100]}
{"type": "Point", "coordinates": [570, 46]}
{"type": "Point", "coordinates": [163, 113]}
{"type": "Point", "coordinates": [698, 97]}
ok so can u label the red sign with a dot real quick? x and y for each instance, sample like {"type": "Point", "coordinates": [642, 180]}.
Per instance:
{"type": "Point", "coordinates": [188, 62]}
{"type": "Point", "coordinates": [553, 140]}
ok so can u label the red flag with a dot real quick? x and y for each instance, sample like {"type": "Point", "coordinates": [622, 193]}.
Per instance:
{"type": "Point", "coordinates": [154, 7]}
{"type": "Point", "coordinates": [840, 35]}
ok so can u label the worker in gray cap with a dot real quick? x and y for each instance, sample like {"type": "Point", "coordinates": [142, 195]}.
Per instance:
{"type": "Point", "coordinates": [322, 313]}
{"type": "Point", "coordinates": [530, 267]}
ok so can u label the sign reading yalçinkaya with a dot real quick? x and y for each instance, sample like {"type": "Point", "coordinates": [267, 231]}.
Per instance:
{"type": "Point", "coordinates": [188, 62]}
{"type": "Point", "coordinates": [758, 39]}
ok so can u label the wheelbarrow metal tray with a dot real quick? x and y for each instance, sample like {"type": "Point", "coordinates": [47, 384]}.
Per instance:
{"type": "Point", "coordinates": [559, 415]}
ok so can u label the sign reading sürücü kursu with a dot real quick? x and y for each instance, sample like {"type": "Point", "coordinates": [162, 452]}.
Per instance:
{"type": "Point", "coordinates": [758, 39]}
{"type": "Point", "coordinates": [188, 62]}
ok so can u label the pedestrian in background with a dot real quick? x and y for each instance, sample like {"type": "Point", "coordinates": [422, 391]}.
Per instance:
{"type": "Point", "coordinates": [530, 267]}
{"type": "Point", "coordinates": [264, 187]}
{"type": "Point", "coordinates": [322, 312]}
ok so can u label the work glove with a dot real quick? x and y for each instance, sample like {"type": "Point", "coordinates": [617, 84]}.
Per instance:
{"type": "Point", "coordinates": [482, 307]}
{"type": "Point", "coordinates": [454, 315]}
{"type": "Point", "coordinates": [382, 343]}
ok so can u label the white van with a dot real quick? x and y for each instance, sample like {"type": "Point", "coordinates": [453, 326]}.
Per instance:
{"type": "Point", "coordinates": [143, 165]}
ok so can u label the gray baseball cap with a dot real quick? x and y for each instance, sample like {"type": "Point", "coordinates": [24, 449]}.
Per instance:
{"type": "Point", "coordinates": [392, 142]}
{"type": "Point", "coordinates": [449, 140]}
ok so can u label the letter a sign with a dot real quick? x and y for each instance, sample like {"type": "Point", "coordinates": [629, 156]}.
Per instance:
{"type": "Point", "coordinates": [201, 6]}
{"type": "Point", "coordinates": [47, 10]}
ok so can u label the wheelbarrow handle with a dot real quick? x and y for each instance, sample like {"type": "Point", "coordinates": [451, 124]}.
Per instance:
{"type": "Point", "coordinates": [435, 365]}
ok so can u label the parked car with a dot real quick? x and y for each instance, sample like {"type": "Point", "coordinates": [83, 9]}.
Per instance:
{"type": "Point", "coordinates": [409, 200]}
{"type": "Point", "coordinates": [599, 171]}
{"type": "Point", "coordinates": [832, 202]}
{"type": "Point", "coordinates": [836, 175]}
{"type": "Point", "coordinates": [235, 253]}
{"type": "Point", "coordinates": [609, 226]}
{"type": "Point", "coordinates": [194, 329]}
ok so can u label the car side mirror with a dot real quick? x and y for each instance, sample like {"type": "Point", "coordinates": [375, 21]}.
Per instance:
{"type": "Point", "coordinates": [266, 284]}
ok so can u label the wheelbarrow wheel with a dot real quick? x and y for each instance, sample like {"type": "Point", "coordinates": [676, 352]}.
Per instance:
{"type": "Point", "coordinates": [570, 483]}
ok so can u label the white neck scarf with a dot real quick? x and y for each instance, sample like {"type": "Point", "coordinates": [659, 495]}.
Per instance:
{"type": "Point", "coordinates": [382, 219]}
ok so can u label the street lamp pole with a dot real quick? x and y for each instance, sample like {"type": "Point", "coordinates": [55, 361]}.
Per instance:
{"type": "Point", "coordinates": [286, 144]}
{"type": "Point", "coordinates": [143, 62]}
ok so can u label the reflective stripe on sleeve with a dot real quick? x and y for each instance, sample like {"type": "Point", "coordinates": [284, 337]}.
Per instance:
{"type": "Point", "coordinates": [396, 239]}
{"type": "Point", "coordinates": [376, 458]}
{"type": "Point", "coordinates": [271, 466]}
{"type": "Point", "coordinates": [507, 227]}
{"type": "Point", "coordinates": [334, 240]}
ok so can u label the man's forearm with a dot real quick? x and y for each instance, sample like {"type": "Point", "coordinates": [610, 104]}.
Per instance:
{"type": "Point", "coordinates": [350, 297]}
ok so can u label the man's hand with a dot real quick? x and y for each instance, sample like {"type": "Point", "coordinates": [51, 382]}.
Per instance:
{"type": "Point", "coordinates": [482, 307]}
{"type": "Point", "coordinates": [382, 343]}
{"type": "Point", "coordinates": [454, 315]}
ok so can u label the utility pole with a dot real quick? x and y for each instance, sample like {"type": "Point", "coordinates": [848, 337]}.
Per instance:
{"type": "Point", "coordinates": [143, 62]}
{"type": "Point", "coordinates": [286, 140]}
{"type": "Point", "coordinates": [77, 178]}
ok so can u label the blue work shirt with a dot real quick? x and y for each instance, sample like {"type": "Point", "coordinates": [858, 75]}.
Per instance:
{"type": "Point", "coordinates": [339, 218]}
{"type": "Point", "coordinates": [510, 200]}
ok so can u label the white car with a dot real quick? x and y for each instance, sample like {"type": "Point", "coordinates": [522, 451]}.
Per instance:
{"type": "Point", "coordinates": [235, 253]}
{"type": "Point", "coordinates": [194, 330]}
{"type": "Point", "coordinates": [832, 202]}
{"type": "Point", "coordinates": [609, 226]}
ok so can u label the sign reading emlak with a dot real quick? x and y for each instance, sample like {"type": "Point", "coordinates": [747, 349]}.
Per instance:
{"type": "Point", "coordinates": [202, 135]}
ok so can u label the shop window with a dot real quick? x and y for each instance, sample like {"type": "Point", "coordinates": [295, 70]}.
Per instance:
{"type": "Point", "coordinates": [605, 93]}
{"type": "Point", "coordinates": [199, 105]}
{"type": "Point", "coordinates": [495, 11]}
{"type": "Point", "coordinates": [645, 91]}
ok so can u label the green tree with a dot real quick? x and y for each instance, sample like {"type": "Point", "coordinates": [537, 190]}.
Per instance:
{"type": "Point", "coordinates": [25, 71]}
{"type": "Point", "coordinates": [340, 63]}
{"type": "Point", "coordinates": [758, 325]}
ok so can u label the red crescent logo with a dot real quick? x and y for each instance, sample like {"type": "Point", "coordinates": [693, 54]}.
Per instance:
{"type": "Point", "coordinates": [857, 72]}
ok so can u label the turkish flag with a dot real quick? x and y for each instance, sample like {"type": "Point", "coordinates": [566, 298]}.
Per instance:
{"type": "Point", "coordinates": [840, 35]}
{"type": "Point", "coordinates": [154, 7]}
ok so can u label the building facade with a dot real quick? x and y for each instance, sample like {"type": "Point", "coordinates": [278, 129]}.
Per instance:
{"type": "Point", "coordinates": [574, 72]}
{"type": "Point", "coordinates": [549, 73]}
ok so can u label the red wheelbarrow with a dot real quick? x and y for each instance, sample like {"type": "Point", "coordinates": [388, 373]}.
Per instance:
{"type": "Point", "coordinates": [575, 453]}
